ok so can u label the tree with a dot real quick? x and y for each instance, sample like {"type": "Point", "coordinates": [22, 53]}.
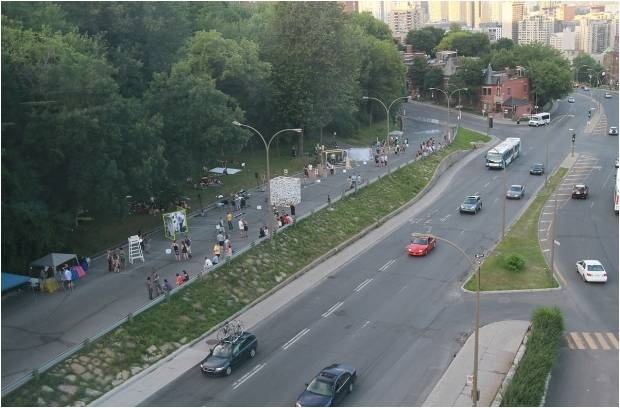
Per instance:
{"type": "Point", "coordinates": [372, 26]}
{"type": "Point", "coordinates": [584, 66]}
{"type": "Point", "coordinates": [467, 43]}
{"type": "Point", "coordinates": [549, 80]}
{"type": "Point", "coordinates": [454, 27]}
{"type": "Point", "coordinates": [503, 58]}
{"type": "Point", "coordinates": [468, 75]}
{"type": "Point", "coordinates": [425, 39]}
{"type": "Point", "coordinates": [417, 72]}
{"type": "Point", "coordinates": [433, 78]}
{"type": "Point", "coordinates": [315, 68]}
{"type": "Point", "coordinates": [503, 44]}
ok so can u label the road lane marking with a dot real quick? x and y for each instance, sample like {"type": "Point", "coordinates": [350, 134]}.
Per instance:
{"type": "Point", "coordinates": [592, 204]}
{"type": "Point", "coordinates": [332, 309]}
{"type": "Point", "coordinates": [547, 213]}
{"type": "Point", "coordinates": [485, 186]}
{"type": "Point", "coordinates": [494, 201]}
{"type": "Point", "coordinates": [589, 340]}
{"type": "Point", "coordinates": [387, 265]}
{"type": "Point", "coordinates": [495, 177]}
{"type": "Point", "coordinates": [601, 340]}
{"type": "Point", "coordinates": [401, 289]}
{"type": "Point", "coordinates": [612, 339]}
{"type": "Point", "coordinates": [361, 285]}
{"type": "Point", "coordinates": [577, 340]}
{"type": "Point", "coordinates": [546, 250]}
{"type": "Point", "coordinates": [443, 219]}
{"type": "Point", "coordinates": [247, 376]}
{"type": "Point", "coordinates": [542, 230]}
{"type": "Point", "coordinates": [295, 338]}
{"type": "Point", "coordinates": [365, 324]}
{"type": "Point", "coordinates": [543, 239]}
{"type": "Point", "coordinates": [571, 345]}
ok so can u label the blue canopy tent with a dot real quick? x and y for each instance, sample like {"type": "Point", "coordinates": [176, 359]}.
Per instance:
{"type": "Point", "coordinates": [10, 281]}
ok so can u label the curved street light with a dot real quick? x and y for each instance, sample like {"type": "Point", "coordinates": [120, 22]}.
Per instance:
{"type": "Point", "coordinates": [268, 216]}
{"type": "Point", "coordinates": [387, 113]}
{"type": "Point", "coordinates": [477, 257]}
{"type": "Point", "coordinates": [448, 96]}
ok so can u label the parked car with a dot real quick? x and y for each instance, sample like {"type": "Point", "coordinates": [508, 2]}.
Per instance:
{"type": "Point", "coordinates": [591, 270]}
{"type": "Point", "coordinates": [471, 204]}
{"type": "Point", "coordinates": [607, 95]}
{"type": "Point", "coordinates": [515, 191]}
{"type": "Point", "coordinates": [229, 353]}
{"type": "Point", "coordinates": [537, 169]}
{"type": "Point", "coordinates": [585, 88]}
{"type": "Point", "coordinates": [613, 131]}
{"type": "Point", "coordinates": [422, 245]}
{"type": "Point", "coordinates": [329, 387]}
{"type": "Point", "coordinates": [571, 99]}
{"type": "Point", "coordinates": [580, 191]}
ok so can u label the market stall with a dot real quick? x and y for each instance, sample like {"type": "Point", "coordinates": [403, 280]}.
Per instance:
{"type": "Point", "coordinates": [49, 270]}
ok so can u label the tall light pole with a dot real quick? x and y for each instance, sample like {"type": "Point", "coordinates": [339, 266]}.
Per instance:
{"type": "Point", "coordinates": [448, 96]}
{"type": "Point", "coordinates": [503, 201]}
{"type": "Point", "coordinates": [478, 257]}
{"type": "Point", "coordinates": [268, 215]}
{"type": "Point", "coordinates": [572, 133]}
{"type": "Point", "coordinates": [387, 114]}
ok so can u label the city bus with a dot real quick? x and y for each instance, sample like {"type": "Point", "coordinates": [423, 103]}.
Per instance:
{"type": "Point", "coordinates": [504, 153]}
{"type": "Point", "coordinates": [540, 119]}
{"type": "Point", "coordinates": [617, 192]}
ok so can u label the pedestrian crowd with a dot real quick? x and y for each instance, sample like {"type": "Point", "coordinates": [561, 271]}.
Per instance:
{"type": "Point", "coordinates": [429, 146]}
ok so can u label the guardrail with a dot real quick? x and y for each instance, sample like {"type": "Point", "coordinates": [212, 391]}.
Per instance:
{"type": "Point", "coordinates": [68, 353]}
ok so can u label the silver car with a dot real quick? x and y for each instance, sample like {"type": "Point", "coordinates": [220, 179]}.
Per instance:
{"type": "Point", "coordinates": [516, 191]}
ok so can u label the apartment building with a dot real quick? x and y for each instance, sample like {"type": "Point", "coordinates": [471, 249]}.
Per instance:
{"type": "Point", "coordinates": [518, 13]}
{"type": "Point", "coordinates": [402, 21]}
{"type": "Point", "coordinates": [596, 32]}
{"type": "Point", "coordinates": [492, 29]}
{"type": "Point", "coordinates": [535, 29]}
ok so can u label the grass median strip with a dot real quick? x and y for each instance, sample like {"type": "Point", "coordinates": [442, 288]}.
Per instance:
{"type": "Point", "coordinates": [192, 311]}
{"type": "Point", "coordinates": [517, 262]}
{"type": "Point", "coordinates": [527, 387]}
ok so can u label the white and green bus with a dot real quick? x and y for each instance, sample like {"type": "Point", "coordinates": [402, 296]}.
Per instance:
{"type": "Point", "coordinates": [504, 153]}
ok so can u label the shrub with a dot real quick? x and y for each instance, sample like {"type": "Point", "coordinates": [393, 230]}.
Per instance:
{"type": "Point", "coordinates": [528, 384]}
{"type": "Point", "coordinates": [515, 263]}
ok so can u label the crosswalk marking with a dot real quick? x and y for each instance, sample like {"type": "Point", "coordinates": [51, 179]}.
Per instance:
{"type": "Point", "coordinates": [601, 340]}
{"type": "Point", "coordinates": [613, 340]}
{"type": "Point", "coordinates": [589, 340]}
{"type": "Point", "coordinates": [592, 341]}
{"type": "Point", "coordinates": [577, 340]}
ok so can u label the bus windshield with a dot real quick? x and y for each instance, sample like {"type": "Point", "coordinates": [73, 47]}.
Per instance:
{"type": "Point", "coordinates": [494, 157]}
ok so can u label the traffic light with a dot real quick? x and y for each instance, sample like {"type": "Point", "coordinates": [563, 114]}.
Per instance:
{"type": "Point", "coordinates": [490, 123]}
{"type": "Point", "coordinates": [573, 138]}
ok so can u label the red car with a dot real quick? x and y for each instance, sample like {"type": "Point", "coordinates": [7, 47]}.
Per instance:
{"type": "Point", "coordinates": [421, 246]}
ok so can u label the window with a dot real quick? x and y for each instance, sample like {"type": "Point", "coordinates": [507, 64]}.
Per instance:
{"type": "Point", "coordinates": [508, 91]}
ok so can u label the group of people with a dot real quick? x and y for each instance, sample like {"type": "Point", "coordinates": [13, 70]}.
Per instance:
{"type": "Point", "coordinates": [429, 146]}
{"type": "Point", "coordinates": [116, 260]}
{"type": "Point", "coordinates": [155, 287]}
{"type": "Point", "coordinates": [184, 250]}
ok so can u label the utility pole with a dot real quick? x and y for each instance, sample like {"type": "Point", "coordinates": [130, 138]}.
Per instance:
{"type": "Point", "coordinates": [503, 201]}
{"type": "Point", "coordinates": [555, 209]}
{"type": "Point", "coordinates": [474, 392]}
{"type": "Point", "coordinates": [572, 153]}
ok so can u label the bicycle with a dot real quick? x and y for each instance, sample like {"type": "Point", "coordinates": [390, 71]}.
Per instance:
{"type": "Point", "coordinates": [230, 330]}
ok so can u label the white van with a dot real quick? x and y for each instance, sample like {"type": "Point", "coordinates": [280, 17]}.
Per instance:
{"type": "Point", "coordinates": [540, 119]}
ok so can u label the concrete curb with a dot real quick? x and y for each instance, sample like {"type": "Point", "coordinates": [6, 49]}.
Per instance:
{"type": "Point", "coordinates": [515, 363]}
{"type": "Point", "coordinates": [445, 164]}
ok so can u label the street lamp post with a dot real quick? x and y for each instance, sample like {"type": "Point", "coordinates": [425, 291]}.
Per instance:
{"type": "Point", "coordinates": [387, 114]}
{"type": "Point", "coordinates": [571, 131]}
{"type": "Point", "coordinates": [478, 257]}
{"type": "Point", "coordinates": [268, 215]}
{"type": "Point", "coordinates": [448, 96]}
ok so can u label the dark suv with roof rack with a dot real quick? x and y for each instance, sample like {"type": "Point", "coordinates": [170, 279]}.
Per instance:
{"type": "Point", "coordinates": [228, 353]}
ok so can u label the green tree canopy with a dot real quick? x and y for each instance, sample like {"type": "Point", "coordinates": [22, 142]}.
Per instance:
{"type": "Point", "coordinates": [584, 66]}
{"type": "Point", "coordinates": [503, 44]}
{"type": "Point", "coordinates": [467, 43]}
{"type": "Point", "coordinates": [425, 39]}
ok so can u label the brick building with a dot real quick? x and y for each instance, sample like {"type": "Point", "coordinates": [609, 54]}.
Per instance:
{"type": "Point", "coordinates": [505, 92]}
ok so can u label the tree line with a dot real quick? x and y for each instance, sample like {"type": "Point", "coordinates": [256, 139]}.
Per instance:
{"type": "Point", "coordinates": [104, 100]}
{"type": "Point", "coordinates": [550, 74]}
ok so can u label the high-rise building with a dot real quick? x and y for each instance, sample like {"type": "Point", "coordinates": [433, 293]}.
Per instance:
{"type": "Point", "coordinates": [563, 41]}
{"type": "Point", "coordinates": [349, 6]}
{"type": "Point", "coordinates": [518, 12]}
{"type": "Point", "coordinates": [566, 12]}
{"type": "Point", "coordinates": [596, 32]}
{"type": "Point", "coordinates": [535, 29]}
{"type": "Point", "coordinates": [402, 21]}
{"type": "Point", "coordinates": [437, 11]}
{"type": "Point", "coordinates": [492, 29]}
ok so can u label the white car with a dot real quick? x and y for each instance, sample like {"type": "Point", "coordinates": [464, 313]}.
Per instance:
{"type": "Point", "coordinates": [591, 271]}
{"type": "Point", "coordinates": [613, 131]}
{"type": "Point", "coordinates": [607, 95]}
{"type": "Point", "coordinates": [571, 99]}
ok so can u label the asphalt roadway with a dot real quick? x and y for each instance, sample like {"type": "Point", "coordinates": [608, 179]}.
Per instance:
{"type": "Point", "coordinates": [400, 320]}
{"type": "Point", "coordinates": [588, 229]}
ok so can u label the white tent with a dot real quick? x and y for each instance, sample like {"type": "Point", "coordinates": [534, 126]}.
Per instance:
{"type": "Point", "coordinates": [54, 260]}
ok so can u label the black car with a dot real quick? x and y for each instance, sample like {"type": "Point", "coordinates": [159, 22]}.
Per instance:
{"type": "Point", "coordinates": [537, 169]}
{"type": "Point", "coordinates": [580, 191]}
{"type": "Point", "coordinates": [229, 353]}
{"type": "Point", "coordinates": [329, 387]}
{"type": "Point", "coordinates": [516, 191]}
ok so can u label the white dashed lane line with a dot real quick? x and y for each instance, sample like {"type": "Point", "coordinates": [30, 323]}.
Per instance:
{"type": "Point", "coordinates": [387, 265]}
{"type": "Point", "coordinates": [247, 376]}
{"type": "Point", "coordinates": [332, 309]}
{"type": "Point", "coordinates": [295, 338]}
{"type": "Point", "coordinates": [361, 285]}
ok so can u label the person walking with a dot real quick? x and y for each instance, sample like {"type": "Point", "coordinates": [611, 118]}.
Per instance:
{"type": "Point", "coordinates": [175, 248]}
{"type": "Point", "coordinates": [121, 257]}
{"type": "Point", "coordinates": [245, 228]}
{"type": "Point", "coordinates": [149, 287]}
{"type": "Point", "coordinates": [228, 251]}
{"type": "Point", "coordinates": [241, 227]}
{"type": "Point", "coordinates": [217, 249]}
{"type": "Point", "coordinates": [207, 265]}
{"type": "Point", "coordinates": [156, 283]}
{"type": "Point", "coordinates": [185, 276]}
{"type": "Point", "coordinates": [188, 244]}
{"type": "Point", "coordinates": [110, 261]}
{"type": "Point", "coordinates": [220, 239]}
{"type": "Point", "coordinates": [184, 251]}
{"type": "Point", "coordinates": [67, 277]}
{"type": "Point", "coordinates": [229, 219]}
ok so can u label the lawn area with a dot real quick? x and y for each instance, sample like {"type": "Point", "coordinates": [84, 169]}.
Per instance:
{"type": "Point", "coordinates": [521, 240]}
{"type": "Point", "coordinates": [198, 307]}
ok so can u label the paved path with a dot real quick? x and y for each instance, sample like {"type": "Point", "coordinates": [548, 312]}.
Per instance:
{"type": "Point", "coordinates": [37, 328]}
{"type": "Point", "coordinates": [498, 346]}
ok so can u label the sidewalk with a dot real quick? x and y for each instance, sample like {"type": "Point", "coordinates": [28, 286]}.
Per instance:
{"type": "Point", "coordinates": [498, 345]}
{"type": "Point", "coordinates": [38, 327]}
